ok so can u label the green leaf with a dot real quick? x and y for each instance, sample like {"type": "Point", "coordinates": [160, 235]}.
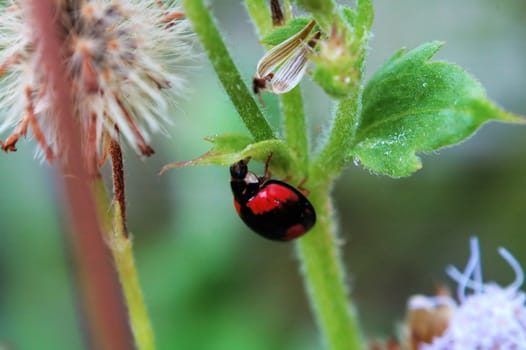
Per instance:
{"type": "Point", "coordinates": [283, 33]}
{"type": "Point", "coordinates": [229, 143]}
{"type": "Point", "coordinates": [411, 105]}
{"type": "Point", "coordinates": [364, 17]}
{"type": "Point", "coordinates": [230, 148]}
{"type": "Point", "coordinates": [349, 15]}
{"type": "Point", "coordinates": [361, 18]}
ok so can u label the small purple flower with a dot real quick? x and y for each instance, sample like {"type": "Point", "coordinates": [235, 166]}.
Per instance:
{"type": "Point", "coordinates": [488, 316]}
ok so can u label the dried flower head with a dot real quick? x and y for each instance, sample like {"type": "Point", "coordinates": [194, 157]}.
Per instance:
{"type": "Point", "coordinates": [427, 318]}
{"type": "Point", "coordinates": [124, 60]}
{"type": "Point", "coordinates": [490, 317]}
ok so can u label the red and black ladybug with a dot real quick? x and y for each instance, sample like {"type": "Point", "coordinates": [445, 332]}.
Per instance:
{"type": "Point", "coordinates": [272, 208]}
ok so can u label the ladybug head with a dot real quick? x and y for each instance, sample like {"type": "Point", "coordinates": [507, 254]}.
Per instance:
{"type": "Point", "coordinates": [239, 170]}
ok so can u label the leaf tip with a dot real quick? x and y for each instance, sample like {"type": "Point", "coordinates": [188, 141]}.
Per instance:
{"type": "Point", "coordinates": [429, 49]}
{"type": "Point", "coordinates": [165, 168]}
{"type": "Point", "coordinates": [173, 165]}
{"type": "Point", "coordinates": [513, 118]}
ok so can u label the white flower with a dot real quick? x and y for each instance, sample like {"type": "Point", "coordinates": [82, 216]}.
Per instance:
{"type": "Point", "coordinates": [284, 65]}
{"type": "Point", "coordinates": [489, 317]}
{"type": "Point", "coordinates": [124, 60]}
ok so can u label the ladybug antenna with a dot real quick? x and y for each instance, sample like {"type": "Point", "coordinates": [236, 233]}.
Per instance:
{"type": "Point", "coordinates": [267, 173]}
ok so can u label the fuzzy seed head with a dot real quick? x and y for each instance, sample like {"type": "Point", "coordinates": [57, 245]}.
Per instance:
{"type": "Point", "coordinates": [125, 60]}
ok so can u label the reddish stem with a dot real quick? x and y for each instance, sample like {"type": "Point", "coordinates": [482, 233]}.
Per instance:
{"type": "Point", "coordinates": [117, 168]}
{"type": "Point", "coordinates": [107, 319]}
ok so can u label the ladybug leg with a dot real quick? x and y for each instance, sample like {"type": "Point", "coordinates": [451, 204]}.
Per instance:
{"type": "Point", "coordinates": [302, 189]}
{"type": "Point", "coordinates": [267, 173]}
{"type": "Point", "coordinates": [287, 178]}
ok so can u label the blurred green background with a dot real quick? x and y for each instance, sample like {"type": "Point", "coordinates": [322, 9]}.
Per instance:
{"type": "Point", "coordinates": [210, 283]}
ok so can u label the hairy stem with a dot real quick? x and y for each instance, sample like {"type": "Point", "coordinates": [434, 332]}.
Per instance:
{"type": "Point", "coordinates": [294, 125]}
{"type": "Point", "coordinates": [291, 102]}
{"type": "Point", "coordinates": [318, 251]}
{"type": "Point", "coordinates": [324, 277]}
{"type": "Point", "coordinates": [226, 70]}
{"type": "Point", "coordinates": [260, 14]}
{"type": "Point", "coordinates": [332, 158]}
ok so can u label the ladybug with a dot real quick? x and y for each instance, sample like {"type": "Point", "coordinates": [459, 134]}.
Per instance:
{"type": "Point", "coordinates": [271, 208]}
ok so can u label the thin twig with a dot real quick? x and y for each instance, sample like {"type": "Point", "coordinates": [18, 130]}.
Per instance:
{"type": "Point", "coordinates": [117, 167]}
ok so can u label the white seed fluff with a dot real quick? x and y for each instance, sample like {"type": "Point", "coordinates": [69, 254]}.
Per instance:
{"type": "Point", "coordinates": [126, 60]}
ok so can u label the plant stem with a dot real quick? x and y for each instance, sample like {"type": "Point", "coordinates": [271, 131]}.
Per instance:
{"type": "Point", "coordinates": [260, 14]}
{"type": "Point", "coordinates": [291, 102]}
{"type": "Point", "coordinates": [120, 244]}
{"type": "Point", "coordinates": [107, 324]}
{"type": "Point", "coordinates": [226, 70]}
{"type": "Point", "coordinates": [318, 251]}
{"type": "Point", "coordinates": [121, 247]}
{"type": "Point", "coordinates": [332, 158]}
{"type": "Point", "coordinates": [324, 277]}
{"type": "Point", "coordinates": [119, 194]}
{"type": "Point", "coordinates": [294, 124]}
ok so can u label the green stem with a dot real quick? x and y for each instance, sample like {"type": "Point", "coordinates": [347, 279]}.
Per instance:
{"type": "Point", "coordinates": [332, 158]}
{"type": "Point", "coordinates": [294, 124]}
{"type": "Point", "coordinates": [324, 277]}
{"type": "Point", "coordinates": [318, 251]}
{"type": "Point", "coordinates": [260, 14]}
{"type": "Point", "coordinates": [291, 102]}
{"type": "Point", "coordinates": [121, 249]}
{"type": "Point", "coordinates": [335, 152]}
{"type": "Point", "coordinates": [226, 70]}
